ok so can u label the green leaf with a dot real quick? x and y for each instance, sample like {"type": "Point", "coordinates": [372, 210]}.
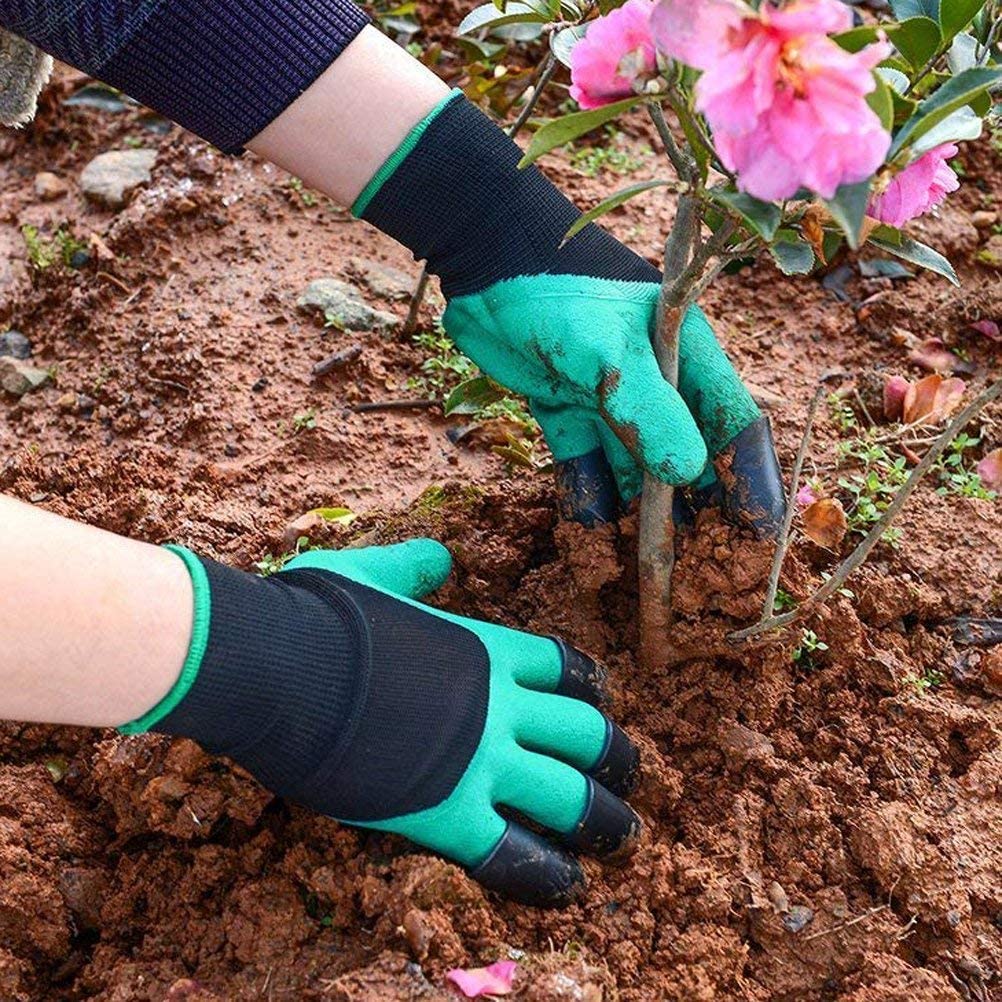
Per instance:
{"type": "Point", "coordinates": [792, 255]}
{"type": "Point", "coordinates": [489, 16]}
{"type": "Point", "coordinates": [881, 100]}
{"type": "Point", "coordinates": [848, 209]}
{"type": "Point", "coordinates": [956, 15]}
{"type": "Point", "coordinates": [962, 126]}
{"type": "Point", "coordinates": [895, 79]}
{"type": "Point", "coordinates": [963, 53]}
{"type": "Point", "coordinates": [762, 217]}
{"type": "Point", "coordinates": [895, 242]}
{"type": "Point", "coordinates": [916, 8]}
{"type": "Point", "coordinates": [917, 39]}
{"type": "Point", "coordinates": [954, 94]}
{"type": "Point", "coordinates": [340, 516]}
{"type": "Point", "coordinates": [473, 395]}
{"type": "Point", "coordinates": [610, 203]}
{"type": "Point", "coordinates": [570, 127]}
{"type": "Point", "coordinates": [857, 38]}
{"type": "Point", "coordinates": [561, 42]}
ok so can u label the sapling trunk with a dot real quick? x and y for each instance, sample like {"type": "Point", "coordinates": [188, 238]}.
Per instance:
{"type": "Point", "coordinates": [656, 543]}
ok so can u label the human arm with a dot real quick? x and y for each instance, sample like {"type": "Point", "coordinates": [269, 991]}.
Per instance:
{"type": "Point", "coordinates": [330, 682]}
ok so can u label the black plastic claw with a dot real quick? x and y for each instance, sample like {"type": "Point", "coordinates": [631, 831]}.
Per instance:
{"type": "Point", "coordinates": [749, 487]}
{"type": "Point", "coordinates": [581, 677]}
{"type": "Point", "coordinates": [586, 489]}
{"type": "Point", "coordinates": [608, 826]}
{"type": "Point", "coordinates": [618, 767]}
{"type": "Point", "coordinates": [527, 869]}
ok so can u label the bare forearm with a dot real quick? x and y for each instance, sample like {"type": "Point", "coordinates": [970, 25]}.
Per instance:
{"type": "Point", "coordinates": [94, 628]}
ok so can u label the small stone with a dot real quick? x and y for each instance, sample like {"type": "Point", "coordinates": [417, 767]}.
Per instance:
{"type": "Point", "coordinates": [49, 186]}
{"type": "Point", "coordinates": [984, 219]}
{"type": "Point", "coordinates": [742, 745]}
{"type": "Point", "coordinates": [343, 306]}
{"type": "Point", "coordinates": [381, 279]}
{"type": "Point", "coordinates": [67, 402]}
{"type": "Point", "coordinates": [85, 405]}
{"type": "Point", "coordinates": [299, 527]}
{"type": "Point", "coordinates": [111, 178]}
{"type": "Point", "coordinates": [798, 917]}
{"type": "Point", "coordinates": [231, 450]}
{"type": "Point", "coordinates": [15, 345]}
{"type": "Point", "coordinates": [19, 378]}
{"type": "Point", "coordinates": [261, 385]}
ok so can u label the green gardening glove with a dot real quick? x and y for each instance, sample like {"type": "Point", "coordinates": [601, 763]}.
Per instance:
{"type": "Point", "coordinates": [567, 326]}
{"type": "Point", "coordinates": [334, 686]}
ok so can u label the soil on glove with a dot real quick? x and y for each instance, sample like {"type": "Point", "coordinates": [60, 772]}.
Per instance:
{"type": "Point", "coordinates": [825, 826]}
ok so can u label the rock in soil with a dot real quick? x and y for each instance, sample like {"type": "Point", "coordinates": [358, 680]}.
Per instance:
{"type": "Point", "coordinates": [382, 280]}
{"type": "Point", "coordinates": [14, 344]}
{"type": "Point", "coordinates": [19, 378]}
{"type": "Point", "coordinates": [344, 307]}
{"type": "Point", "coordinates": [111, 178]}
{"type": "Point", "coordinates": [49, 186]}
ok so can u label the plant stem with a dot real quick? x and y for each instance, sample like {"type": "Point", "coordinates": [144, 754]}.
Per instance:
{"type": "Point", "coordinates": [859, 555]}
{"type": "Point", "coordinates": [783, 543]}
{"type": "Point", "coordinates": [547, 68]}
{"type": "Point", "coordinates": [684, 165]}
{"type": "Point", "coordinates": [656, 542]}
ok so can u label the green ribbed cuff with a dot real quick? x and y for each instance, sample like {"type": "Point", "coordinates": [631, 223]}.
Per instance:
{"type": "Point", "coordinates": [196, 649]}
{"type": "Point", "coordinates": [400, 154]}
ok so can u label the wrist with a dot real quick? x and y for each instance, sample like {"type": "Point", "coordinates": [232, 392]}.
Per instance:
{"type": "Point", "coordinates": [453, 193]}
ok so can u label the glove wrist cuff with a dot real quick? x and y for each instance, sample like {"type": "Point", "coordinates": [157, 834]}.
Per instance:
{"type": "Point", "coordinates": [202, 615]}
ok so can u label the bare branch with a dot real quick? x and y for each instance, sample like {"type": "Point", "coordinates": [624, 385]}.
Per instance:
{"type": "Point", "coordinates": [859, 555]}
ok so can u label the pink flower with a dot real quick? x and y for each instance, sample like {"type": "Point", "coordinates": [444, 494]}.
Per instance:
{"type": "Point", "coordinates": [806, 496]}
{"type": "Point", "coordinates": [913, 191]}
{"type": "Point", "coordinates": [616, 57]}
{"type": "Point", "coordinates": [786, 104]}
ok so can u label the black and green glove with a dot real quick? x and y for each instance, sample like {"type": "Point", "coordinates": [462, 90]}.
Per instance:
{"type": "Point", "coordinates": [569, 325]}
{"type": "Point", "coordinates": [336, 688]}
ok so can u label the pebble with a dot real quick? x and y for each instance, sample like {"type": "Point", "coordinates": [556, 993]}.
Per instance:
{"type": "Point", "coordinates": [112, 177]}
{"type": "Point", "coordinates": [345, 305]}
{"type": "Point", "coordinates": [798, 917]}
{"type": "Point", "coordinates": [49, 187]}
{"type": "Point", "coordinates": [381, 279]}
{"type": "Point", "coordinates": [19, 378]}
{"type": "Point", "coordinates": [984, 219]}
{"type": "Point", "coordinates": [14, 344]}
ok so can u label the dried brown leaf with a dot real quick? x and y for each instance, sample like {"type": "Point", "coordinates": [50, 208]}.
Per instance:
{"type": "Point", "coordinates": [825, 523]}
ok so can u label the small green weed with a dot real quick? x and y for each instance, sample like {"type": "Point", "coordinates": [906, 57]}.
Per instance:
{"type": "Point", "coordinates": [956, 477]}
{"type": "Point", "coordinates": [305, 421]}
{"type": "Point", "coordinates": [299, 191]}
{"type": "Point", "coordinates": [873, 488]}
{"type": "Point", "coordinates": [444, 367]}
{"type": "Point", "coordinates": [931, 678]}
{"type": "Point", "coordinates": [608, 158]}
{"type": "Point", "coordinates": [58, 250]}
{"type": "Point", "coordinates": [271, 563]}
{"type": "Point", "coordinates": [783, 602]}
{"type": "Point", "coordinates": [810, 645]}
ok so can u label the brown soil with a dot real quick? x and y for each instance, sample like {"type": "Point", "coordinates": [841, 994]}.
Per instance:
{"type": "Point", "coordinates": [814, 830]}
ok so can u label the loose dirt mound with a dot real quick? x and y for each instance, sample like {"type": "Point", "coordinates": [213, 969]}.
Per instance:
{"type": "Point", "coordinates": [822, 828]}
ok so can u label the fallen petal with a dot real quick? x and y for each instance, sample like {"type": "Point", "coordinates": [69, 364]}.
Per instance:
{"type": "Point", "coordinates": [990, 470]}
{"type": "Point", "coordinates": [494, 980]}
{"type": "Point", "coordinates": [989, 328]}
{"type": "Point", "coordinates": [948, 397]}
{"type": "Point", "coordinates": [825, 523]}
{"type": "Point", "coordinates": [934, 356]}
{"type": "Point", "coordinates": [920, 400]}
{"type": "Point", "coordinates": [895, 391]}
{"type": "Point", "coordinates": [806, 496]}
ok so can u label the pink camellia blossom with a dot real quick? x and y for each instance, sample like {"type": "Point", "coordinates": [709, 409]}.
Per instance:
{"type": "Point", "coordinates": [616, 57]}
{"type": "Point", "coordinates": [912, 192]}
{"type": "Point", "coordinates": [806, 496]}
{"type": "Point", "coordinates": [786, 104]}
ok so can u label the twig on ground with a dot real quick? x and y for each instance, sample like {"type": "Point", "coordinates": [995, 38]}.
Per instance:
{"type": "Point", "coordinates": [394, 405]}
{"type": "Point", "coordinates": [417, 299]}
{"type": "Point", "coordinates": [859, 555]}
{"type": "Point", "coordinates": [115, 281]}
{"type": "Point", "coordinates": [337, 360]}
{"type": "Point", "coordinates": [869, 913]}
{"type": "Point", "coordinates": [785, 535]}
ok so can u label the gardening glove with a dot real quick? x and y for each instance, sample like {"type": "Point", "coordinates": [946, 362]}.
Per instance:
{"type": "Point", "coordinates": [334, 686]}
{"type": "Point", "coordinates": [569, 325]}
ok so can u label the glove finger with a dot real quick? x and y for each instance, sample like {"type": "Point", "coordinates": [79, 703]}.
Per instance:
{"type": "Point", "coordinates": [412, 569]}
{"type": "Point", "coordinates": [629, 476]}
{"type": "Point", "coordinates": [581, 736]}
{"type": "Point", "coordinates": [529, 870]}
{"type": "Point", "coordinates": [548, 664]}
{"type": "Point", "coordinates": [586, 816]}
{"type": "Point", "coordinates": [710, 386]}
{"type": "Point", "coordinates": [650, 418]}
